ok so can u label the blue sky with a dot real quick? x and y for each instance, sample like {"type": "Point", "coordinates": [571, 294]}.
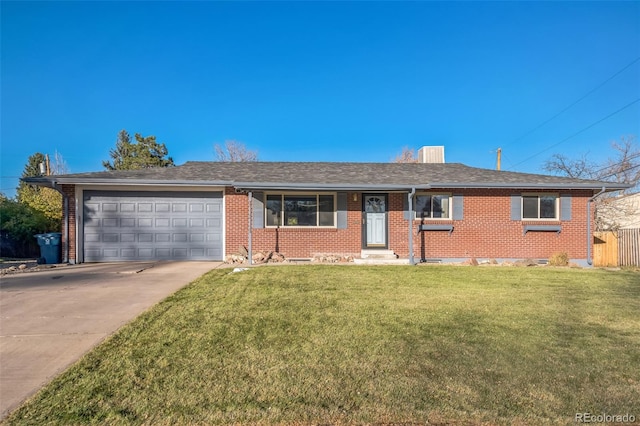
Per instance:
{"type": "Point", "coordinates": [317, 81]}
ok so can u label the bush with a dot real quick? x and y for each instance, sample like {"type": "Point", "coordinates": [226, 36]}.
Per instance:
{"type": "Point", "coordinates": [18, 225]}
{"type": "Point", "coordinates": [559, 259]}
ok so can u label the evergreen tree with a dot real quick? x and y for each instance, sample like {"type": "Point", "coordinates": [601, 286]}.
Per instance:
{"type": "Point", "coordinates": [144, 153]}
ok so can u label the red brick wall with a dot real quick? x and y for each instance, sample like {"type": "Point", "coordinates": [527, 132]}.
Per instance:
{"type": "Point", "coordinates": [486, 231]}
{"type": "Point", "coordinates": [291, 242]}
{"type": "Point", "coordinates": [70, 192]}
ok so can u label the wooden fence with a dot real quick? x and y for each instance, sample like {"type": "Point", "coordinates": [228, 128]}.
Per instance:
{"type": "Point", "coordinates": [620, 248]}
{"type": "Point", "coordinates": [629, 247]}
{"type": "Point", "coordinates": [605, 249]}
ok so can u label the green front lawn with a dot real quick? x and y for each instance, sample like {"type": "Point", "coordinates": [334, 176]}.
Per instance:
{"type": "Point", "coordinates": [353, 345]}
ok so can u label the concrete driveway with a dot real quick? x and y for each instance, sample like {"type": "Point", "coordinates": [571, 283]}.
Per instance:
{"type": "Point", "coordinates": [49, 319]}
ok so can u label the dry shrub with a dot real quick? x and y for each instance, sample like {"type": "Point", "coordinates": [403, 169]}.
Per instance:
{"type": "Point", "coordinates": [559, 259]}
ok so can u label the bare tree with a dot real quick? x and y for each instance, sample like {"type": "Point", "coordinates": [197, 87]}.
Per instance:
{"type": "Point", "coordinates": [623, 167]}
{"type": "Point", "coordinates": [234, 151]}
{"type": "Point", "coordinates": [408, 155]}
{"type": "Point", "coordinates": [59, 165]}
{"type": "Point", "coordinates": [560, 164]}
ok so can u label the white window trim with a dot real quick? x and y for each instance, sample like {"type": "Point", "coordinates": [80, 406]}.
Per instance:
{"type": "Point", "coordinates": [316, 194]}
{"type": "Point", "coordinates": [448, 194]}
{"type": "Point", "coordinates": [540, 194]}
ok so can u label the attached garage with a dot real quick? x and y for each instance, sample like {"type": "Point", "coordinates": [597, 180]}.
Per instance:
{"type": "Point", "coordinates": [141, 225]}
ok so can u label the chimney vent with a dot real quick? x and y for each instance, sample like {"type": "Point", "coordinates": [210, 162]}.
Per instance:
{"type": "Point", "coordinates": [431, 154]}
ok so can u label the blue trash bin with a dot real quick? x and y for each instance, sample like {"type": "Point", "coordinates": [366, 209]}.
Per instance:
{"type": "Point", "coordinates": [49, 246]}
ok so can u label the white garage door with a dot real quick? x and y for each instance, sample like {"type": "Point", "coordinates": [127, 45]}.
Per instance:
{"type": "Point", "coordinates": [152, 226]}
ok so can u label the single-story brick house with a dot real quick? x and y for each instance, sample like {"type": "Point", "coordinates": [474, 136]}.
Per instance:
{"type": "Point", "coordinates": [417, 211]}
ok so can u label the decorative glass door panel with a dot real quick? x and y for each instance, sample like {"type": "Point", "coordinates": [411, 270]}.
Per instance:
{"type": "Point", "coordinates": [375, 210]}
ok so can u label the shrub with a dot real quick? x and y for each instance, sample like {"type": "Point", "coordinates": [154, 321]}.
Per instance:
{"type": "Point", "coordinates": [559, 259]}
{"type": "Point", "coordinates": [18, 225]}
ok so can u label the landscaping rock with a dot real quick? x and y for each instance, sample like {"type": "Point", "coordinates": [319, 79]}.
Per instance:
{"type": "Point", "coordinates": [22, 267]}
{"type": "Point", "coordinates": [526, 262]}
{"type": "Point", "coordinates": [235, 258]}
{"type": "Point", "coordinates": [332, 258]}
{"type": "Point", "coordinates": [276, 258]}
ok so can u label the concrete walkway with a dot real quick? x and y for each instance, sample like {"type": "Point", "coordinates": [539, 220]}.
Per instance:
{"type": "Point", "coordinates": [49, 319]}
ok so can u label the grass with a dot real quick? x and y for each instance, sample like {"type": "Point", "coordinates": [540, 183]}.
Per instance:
{"type": "Point", "coordinates": [354, 345]}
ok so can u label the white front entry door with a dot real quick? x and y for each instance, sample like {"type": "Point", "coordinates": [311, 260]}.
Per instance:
{"type": "Point", "coordinates": [375, 210]}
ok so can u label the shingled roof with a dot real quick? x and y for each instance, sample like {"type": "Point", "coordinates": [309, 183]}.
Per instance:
{"type": "Point", "coordinates": [335, 175]}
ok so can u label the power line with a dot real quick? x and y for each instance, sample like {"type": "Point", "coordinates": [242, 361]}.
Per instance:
{"type": "Point", "coordinates": [620, 171]}
{"type": "Point", "coordinates": [575, 102]}
{"type": "Point", "coordinates": [619, 163]}
{"type": "Point", "coordinates": [579, 132]}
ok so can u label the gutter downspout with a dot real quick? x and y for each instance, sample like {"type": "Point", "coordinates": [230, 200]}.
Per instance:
{"type": "Point", "coordinates": [249, 253]}
{"type": "Point", "coordinates": [65, 204]}
{"type": "Point", "coordinates": [410, 199]}
{"type": "Point", "coordinates": [589, 236]}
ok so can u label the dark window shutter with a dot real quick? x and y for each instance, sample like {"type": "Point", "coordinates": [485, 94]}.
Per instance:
{"type": "Point", "coordinates": [516, 207]}
{"type": "Point", "coordinates": [405, 206]}
{"type": "Point", "coordinates": [258, 210]}
{"type": "Point", "coordinates": [565, 207]}
{"type": "Point", "coordinates": [458, 207]}
{"type": "Point", "coordinates": [342, 210]}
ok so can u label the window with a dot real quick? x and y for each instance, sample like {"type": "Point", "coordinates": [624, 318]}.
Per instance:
{"type": "Point", "coordinates": [543, 206]}
{"type": "Point", "coordinates": [300, 210]}
{"type": "Point", "coordinates": [433, 206]}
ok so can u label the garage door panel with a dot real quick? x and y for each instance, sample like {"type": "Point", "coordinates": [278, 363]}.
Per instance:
{"type": "Point", "coordinates": [163, 238]}
{"type": "Point", "coordinates": [179, 223]}
{"type": "Point", "coordinates": [196, 223]}
{"type": "Point", "coordinates": [110, 222]}
{"type": "Point", "coordinates": [146, 222]}
{"type": "Point", "coordinates": [163, 222]}
{"type": "Point", "coordinates": [127, 222]}
{"type": "Point", "coordinates": [127, 238]}
{"type": "Point", "coordinates": [147, 226]}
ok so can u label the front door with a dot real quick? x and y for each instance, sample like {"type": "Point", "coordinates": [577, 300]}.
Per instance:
{"type": "Point", "coordinates": [375, 220]}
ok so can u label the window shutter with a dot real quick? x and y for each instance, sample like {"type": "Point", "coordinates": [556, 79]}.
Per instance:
{"type": "Point", "coordinates": [405, 207]}
{"type": "Point", "coordinates": [258, 210]}
{"type": "Point", "coordinates": [516, 207]}
{"type": "Point", "coordinates": [342, 210]}
{"type": "Point", "coordinates": [458, 207]}
{"type": "Point", "coordinates": [565, 207]}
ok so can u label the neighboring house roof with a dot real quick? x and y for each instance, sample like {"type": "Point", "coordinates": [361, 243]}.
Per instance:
{"type": "Point", "coordinates": [336, 175]}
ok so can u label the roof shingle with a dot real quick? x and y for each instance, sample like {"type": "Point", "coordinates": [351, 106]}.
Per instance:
{"type": "Point", "coordinates": [330, 174]}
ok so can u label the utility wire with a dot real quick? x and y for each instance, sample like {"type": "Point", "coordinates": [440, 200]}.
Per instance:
{"type": "Point", "coordinates": [578, 132]}
{"type": "Point", "coordinates": [618, 163]}
{"type": "Point", "coordinates": [574, 103]}
{"type": "Point", "coordinates": [620, 171]}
